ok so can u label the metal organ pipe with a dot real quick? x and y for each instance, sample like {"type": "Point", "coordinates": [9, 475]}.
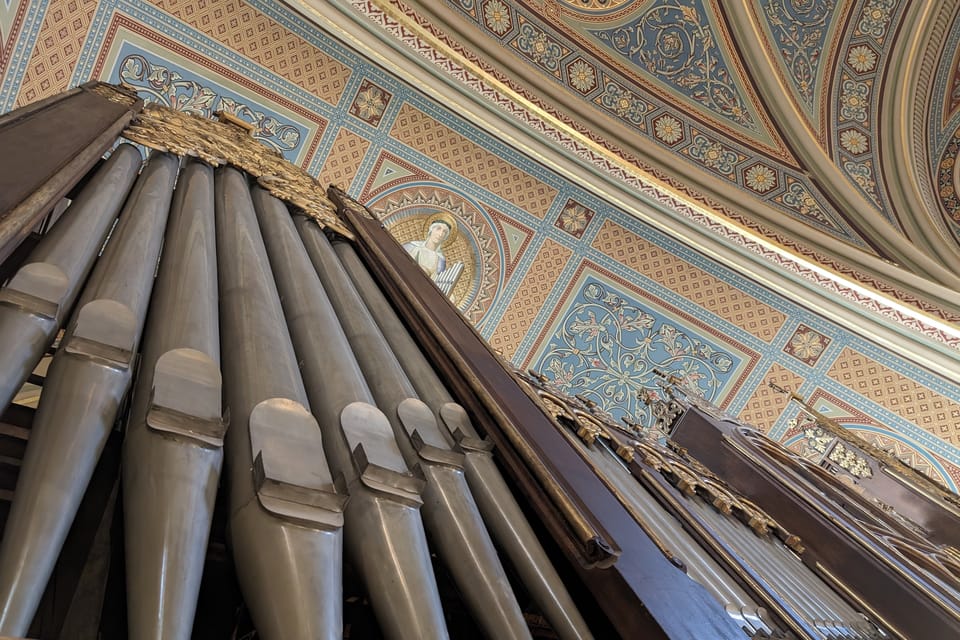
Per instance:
{"type": "Point", "coordinates": [700, 566]}
{"type": "Point", "coordinates": [286, 516]}
{"type": "Point", "coordinates": [82, 393]}
{"type": "Point", "coordinates": [803, 590]}
{"type": "Point", "coordinates": [449, 511]}
{"type": "Point", "coordinates": [36, 300]}
{"type": "Point", "coordinates": [384, 533]}
{"type": "Point", "coordinates": [310, 348]}
{"type": "Point", "coordinates": [500, 510]}
{"type": "Point", "coordinates": [16, 223]}
{"type": "Point", "coordinates": [172, 450]}
{"type": "Point", "coordinates": [755, 551]}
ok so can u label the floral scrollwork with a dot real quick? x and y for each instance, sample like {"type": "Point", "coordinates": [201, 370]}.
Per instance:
{"type": "Point", "coordinates": [539, 47]}
{"type": "Point", "coordinates": [158, 84]}
{"type": "Point", "coordinates": [218, 143]}
{"type": "Point", "coordinates": [674, 42]}
{"type": "Point", "coordinates": [608, 351]}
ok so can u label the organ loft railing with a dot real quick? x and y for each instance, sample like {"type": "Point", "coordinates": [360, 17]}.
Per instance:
{"type": "Point", "coordinates": [252, 415]}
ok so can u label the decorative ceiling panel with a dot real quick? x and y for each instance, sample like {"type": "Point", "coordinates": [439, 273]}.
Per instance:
{"type": "Point", "coordinates": [943, 138]}
{"type": "Point", "coordinates": [897, 393]}
{"type": "Point", "coordinates": [801, 40]}
{"type": "Point", "coordinates": [62, 33]}
{"type": "Point", "coordinates": [343, 162]}
{"type": "Point", "coordinates": [533, 291]}
{"type": "Point", "coordinates": [669, 71]}
{"type": "Point", "coordinates": [417, 130]}
{"type": "Point", "coordinates": [610, 341]}
{"type": "Point", "coordinates": [680, 48]}
{"type": "Point", "coordinates": [688, 281]}
{"type": "Point", "coordinates": [857, 82]}
{"type": "Point", "coordinates": [165, 82]}
{"type": "Point", "coordinates": [264, 41]}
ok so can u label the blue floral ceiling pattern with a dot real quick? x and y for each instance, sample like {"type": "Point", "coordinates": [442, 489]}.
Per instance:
{"type": "Point", "coordinates": [801, 35]}
{"type": "Point", "coordinates": [692, 78]}
{"type": "Point", "coordinates": [666, 69]}
{"type": "Point", "coordinates": [614, 350]}
{"type": "Point", "coordinates": [162, 83]}
{"type": "Point", "coordinates": [674, 43]}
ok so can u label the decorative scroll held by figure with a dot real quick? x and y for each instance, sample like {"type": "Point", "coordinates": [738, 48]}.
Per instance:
{"type": "Point", "coordinates": [440, 228]}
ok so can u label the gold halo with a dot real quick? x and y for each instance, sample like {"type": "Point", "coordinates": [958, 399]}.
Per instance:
{"type": "Point", "coordinates": [447, 219]}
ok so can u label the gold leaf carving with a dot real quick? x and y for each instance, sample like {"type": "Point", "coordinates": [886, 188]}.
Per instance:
{"type": "Point", "coordinates": [223, 143]}
{"type": "Point", "coordinates": [121, 94]}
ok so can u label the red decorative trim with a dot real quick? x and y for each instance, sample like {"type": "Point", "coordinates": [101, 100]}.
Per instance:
{"type": "Point", "coordinates": [6, 48]}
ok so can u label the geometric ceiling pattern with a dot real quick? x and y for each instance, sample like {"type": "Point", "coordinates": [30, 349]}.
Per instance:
{"type": "Point", "coordinates": [783, 112]}
{"type": "Point", "coordinates": [555, 276]}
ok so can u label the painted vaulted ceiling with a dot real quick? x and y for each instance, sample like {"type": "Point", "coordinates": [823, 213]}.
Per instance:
{"type": "Point", "coordinates": [829, 127]}
{"type": "Point", "coordinates": [737, 192]}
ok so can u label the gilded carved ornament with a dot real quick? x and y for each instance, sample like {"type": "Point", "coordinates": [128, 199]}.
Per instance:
{"type": "Point", "coordinates": [228, 143]}
{"type": "Point", "coordinates": [668, 459]}
{"type": "Point", "coordinates": [122, 94]}
{"type": "Point", "coordinates": [906, 473]}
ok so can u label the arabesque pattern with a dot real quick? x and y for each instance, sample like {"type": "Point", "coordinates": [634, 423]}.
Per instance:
{"type": "Point", "coordinates": [610, 349]}
{"type": "Point", "coordinates": [665, 69]}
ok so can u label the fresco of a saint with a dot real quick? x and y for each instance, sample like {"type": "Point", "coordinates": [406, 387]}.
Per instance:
{"type": "Point", "coordinates": [440, 228]}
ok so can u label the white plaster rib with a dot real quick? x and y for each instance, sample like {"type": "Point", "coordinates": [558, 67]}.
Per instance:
{"type": "Point", "coordinates": [906, 97]}
{"type": "Point", "coordinates": [819, 164]}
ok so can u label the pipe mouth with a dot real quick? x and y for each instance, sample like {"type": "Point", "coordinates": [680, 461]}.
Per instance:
{"type": "Point", "coordinates": [290, 474]}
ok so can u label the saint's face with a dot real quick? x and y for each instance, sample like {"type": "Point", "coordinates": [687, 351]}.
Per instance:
{"type": "Point", "coordinates": [437, 234]}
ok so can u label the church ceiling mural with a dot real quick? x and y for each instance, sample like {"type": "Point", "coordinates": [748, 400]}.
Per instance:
{"type": "Point", "coordinates": [854, 120]}
{"type": "Point", "coordinates": [666, 69]}
{"type": "Point", "coordinates": [781, 100]}
{"type": "Point", "coordinates": [944, 125]}
{"type": "Point", "coordinates": [552, 275]}
{"type": "Point", "coordinates": [801, 38]}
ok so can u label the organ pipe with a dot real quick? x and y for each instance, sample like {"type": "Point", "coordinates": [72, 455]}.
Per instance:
{"type": "Point", "coordinates": [383, 529]}
{"type": "Point", "coordinates": [344, 439]}
{"type": "Point", "coordinates": [35, 302]}
{"type": "Point", "coordinates": [172, 450]}
{"type": "Point", "coordinates": [500, 510]}
{"type": "Point", "coordinates": [450, 513]}
{"type": "Point", "coordinates": [286, 515]}
{"type": "Point", "coordinates": [54, 142]}
{"type": "Point", "coordinates": [81, 398]}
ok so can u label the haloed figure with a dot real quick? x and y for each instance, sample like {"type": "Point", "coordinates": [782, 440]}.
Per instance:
{"type": "Point", "coordinates": [428, 253]}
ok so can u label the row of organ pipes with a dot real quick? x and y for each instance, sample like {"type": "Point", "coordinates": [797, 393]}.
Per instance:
{"type": "Point", "coordinates": [250, 358]}
{"type": "Point", "coordinates": [329, 450]}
